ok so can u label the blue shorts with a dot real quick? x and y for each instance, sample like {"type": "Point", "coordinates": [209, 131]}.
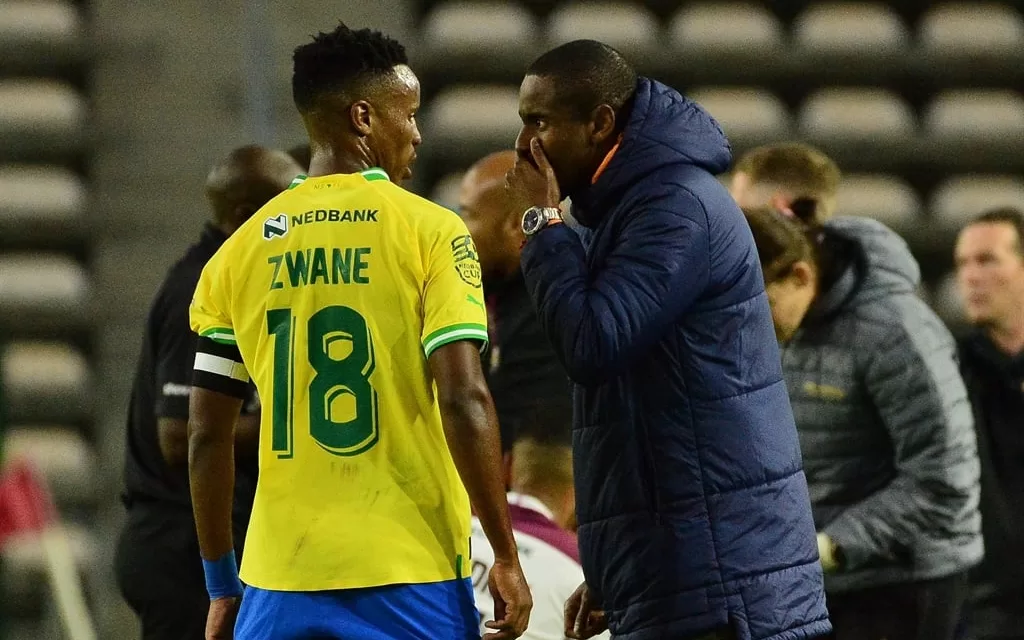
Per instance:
{"type": "Point", "coordinates": [395, 612]}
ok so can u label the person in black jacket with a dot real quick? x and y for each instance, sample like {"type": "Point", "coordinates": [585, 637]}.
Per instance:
{"type": "Point", "coordinates": [157, 564]}
{"type": "Point", "coordinates": [694, 519]}
{"type": "Point", "coordinates": [990, 275]}
{"type": "Point", "coordinates": [885, 428]}
{"type": "Point", "coordinates": [520, 364]}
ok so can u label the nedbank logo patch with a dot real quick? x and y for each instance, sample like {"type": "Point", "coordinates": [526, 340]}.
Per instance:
{"type": "Point", "coordinates": [275, 227]}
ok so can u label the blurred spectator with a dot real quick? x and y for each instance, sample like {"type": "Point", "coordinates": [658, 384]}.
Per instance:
{"type": "Point", "coordinates": [693, 513]}
{"type": "Point", "coordinates": [789, 177]}
{"type": "Point", "coordinates": [158, 564]}
{"type": "Point", "coordinates": [990, 275]}
{"type": "Point", "coordinates": [520, 365]}
{"type": "Point", "coordinates": [885, 429]}
{"type": "Point", "coordinates": [542, 507]}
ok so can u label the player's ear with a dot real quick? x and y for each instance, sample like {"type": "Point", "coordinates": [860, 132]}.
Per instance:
{"type": "Point", "coordinates": [360, 117]}
{"type": "Point", "coordinates": [602, 123]}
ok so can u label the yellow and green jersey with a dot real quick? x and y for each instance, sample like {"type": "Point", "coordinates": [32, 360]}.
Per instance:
{"type": "Point", "coordinates": [331, 298]}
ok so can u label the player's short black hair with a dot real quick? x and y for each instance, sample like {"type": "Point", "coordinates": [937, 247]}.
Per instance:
{"type": "Point", "coordinates": [1005, 215]}
{"type": "Point", "coordinates": [340, 62]}
{"type": "Point", "coordinates": [547, 422]}
{"type": "Point", "coordinates": [588, 73]}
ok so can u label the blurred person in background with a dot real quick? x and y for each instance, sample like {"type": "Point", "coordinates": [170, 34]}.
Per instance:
{"type": "Point", "coordinates": [789, 177]}
{"type": "Point", "coordinates": [520, 364]}
{"type": "Point", "coordinates": [542, 506]}
{"type": "Point", "coordinates": [885, 427]}
{"type": "Point", "coordinates": [694, 519]}
{"type": "Point", "coordinates": [990, 275]}
{"type": "Point", "coordinates": [157, 565]}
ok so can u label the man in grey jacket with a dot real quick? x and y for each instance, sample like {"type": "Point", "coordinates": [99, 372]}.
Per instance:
{"type": "Point", "coordinates": [885, 428]}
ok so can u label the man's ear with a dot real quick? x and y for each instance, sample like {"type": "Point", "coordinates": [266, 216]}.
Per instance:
{"type": "Point", "coordinates": [359, 114]}
{"type": "Point", "coordinates": [602, 121]}
{"type": "Point", "coordinates": [782, 202]}
{"type": "Point", "coordinates": [804, 274]}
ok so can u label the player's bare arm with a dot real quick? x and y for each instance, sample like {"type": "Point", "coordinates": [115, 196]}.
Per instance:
{"type": "Point", "coordinates": [211, 465]}
{"type": "Point", "coordinates": [471, 429]}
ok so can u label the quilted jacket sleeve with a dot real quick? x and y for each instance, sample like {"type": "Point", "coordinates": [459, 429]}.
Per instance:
{"type": "Point", "coordinates": [599, 320]}
{"type": "Point", "coordinates": [915, 385]}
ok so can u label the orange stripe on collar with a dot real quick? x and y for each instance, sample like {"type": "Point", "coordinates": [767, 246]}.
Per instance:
{"type": "Point", "coordinates": [606, 161]}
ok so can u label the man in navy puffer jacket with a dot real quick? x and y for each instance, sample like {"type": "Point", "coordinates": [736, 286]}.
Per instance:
{"type": "Point", "coordinates": [694, 517]}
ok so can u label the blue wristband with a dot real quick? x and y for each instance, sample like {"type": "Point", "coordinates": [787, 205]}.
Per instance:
{"type": "Point", "coordinates": [222, 577]}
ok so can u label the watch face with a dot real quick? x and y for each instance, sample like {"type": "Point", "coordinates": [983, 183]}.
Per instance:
{"type": "Point", "coordinates": [531, 219]}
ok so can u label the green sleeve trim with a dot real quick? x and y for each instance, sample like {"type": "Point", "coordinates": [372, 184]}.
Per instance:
{"type": "Point", "coordinates": [454, 333]}
{"type": "Point", "coordinates": [222, 335]}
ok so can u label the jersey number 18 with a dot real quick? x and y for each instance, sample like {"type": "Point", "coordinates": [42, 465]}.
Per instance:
{"type": "Point", "coordinates": [339, 350]}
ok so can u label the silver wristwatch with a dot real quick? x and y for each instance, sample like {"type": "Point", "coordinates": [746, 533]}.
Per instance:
{"type": "Point", "coordinates": [536, 218]}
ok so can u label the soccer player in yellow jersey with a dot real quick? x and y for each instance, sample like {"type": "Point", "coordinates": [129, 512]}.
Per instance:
{"type": "Point", "coordinates": [356, 308]}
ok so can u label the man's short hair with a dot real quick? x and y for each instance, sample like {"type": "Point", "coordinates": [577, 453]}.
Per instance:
{"type": "Point", "coordinates": [1005, 215]}
{"type": "Point", "coordinates": [805, 171]}
{"type": "Point", "coordinates": [588, 74]}
{"type": "Point", "coordinates": [342, 62]}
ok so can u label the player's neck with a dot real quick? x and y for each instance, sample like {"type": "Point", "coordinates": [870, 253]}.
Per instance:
{"type": "Point", "coordinates": [327, 160]}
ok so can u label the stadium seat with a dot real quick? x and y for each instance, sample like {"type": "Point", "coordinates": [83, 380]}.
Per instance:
{"type": "Point", "coordinates": [856, 115]}
{"type": "Point", "coordinates": [858, 28]}
{"type": "Point", "coordinates": [969, 28]}
{"type": "Point", "coordinates": [978, 115]}
{"type": "Point", "coordinates": [39, 116]}
{"type": "Point", "coordinates": [43, 381]}
{"type": "Point", "coordinates": [39, 195]}
{"type": "Point", "coordinates": [747, 115]}
{"type": "Point", "coordinates": [32, 285]}
{"type": "Point", "coordinates": [885, 198]}
{"type": "Point", "coordinates": [946, 300]}
{"type": "Point", "coordinates": [475, 114]}
{"type": "Point", "coordinates": [629, 28]}
{"type": "Point", "coordinates": [737, 27]}
{"type": "Point", "coordinates": [60, 454]}
{"type": "Point", "coordinates": [484, 28]}
{"type": "Point", "coordinates": [960, 199]}
{"type": "Point", "coordinates": [446, 191]}
{"type": "Point", "coordinates": [31, 27]}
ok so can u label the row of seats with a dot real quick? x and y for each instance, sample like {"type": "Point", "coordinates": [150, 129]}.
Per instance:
{"type": "Point", "coordinates": [44, 382]}
{"type": "Point", "coordinates": [38, 34]}
{"type": "Point", "coordinates": [43, 117]}
{"type": "Point", "coordinates": [884, 197]}
{"type": "Point", "coordinates": [962, 28]}
{"type": "Point", "coordinates": [859, 113]}
{"type": "Point", "coordinates": [40, 117]}
{"type": "Point", "coordinates": [464, 114]}
{"type": "Point", "coordinates": [40, 200]}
